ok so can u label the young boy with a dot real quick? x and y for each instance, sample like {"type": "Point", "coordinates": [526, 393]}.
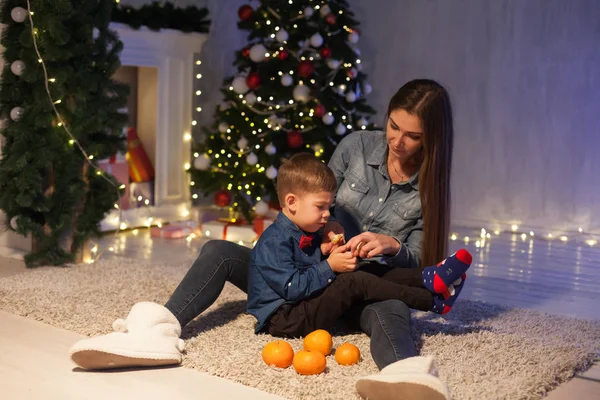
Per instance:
{"type": "Point", "coordinates": [293, 290]}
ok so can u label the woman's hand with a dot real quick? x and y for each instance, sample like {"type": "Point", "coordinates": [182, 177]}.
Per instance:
{"type": "Point", "coordinates": [369, 244]}
{"type": "Point", "coordinates": [330, 230]}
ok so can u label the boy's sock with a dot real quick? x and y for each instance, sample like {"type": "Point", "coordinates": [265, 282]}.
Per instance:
{"type": "Point", "coordinates": [438, 278]}
{"type": "Point", "coordinates": [442, 304]}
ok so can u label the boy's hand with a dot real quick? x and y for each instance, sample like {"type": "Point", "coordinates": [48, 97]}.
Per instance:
{"type": "Point", "coordinates": [331, 237]}
{"type": "Point", "coordinates": [341, 260]}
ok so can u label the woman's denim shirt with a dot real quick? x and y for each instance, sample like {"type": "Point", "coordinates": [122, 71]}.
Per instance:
{"type": "Point", "coordinates": [366, 199]}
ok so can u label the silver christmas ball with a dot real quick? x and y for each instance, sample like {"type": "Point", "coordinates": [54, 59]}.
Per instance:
{"type": "Point", "coordinates": [309, 12]}
{"type": "Point", "coordinates": [325, 11]}
{"type": "Point", "coordinates": [350, 97]}
{"type": "Point", "coordinates": [258, 53]}
{"type": "Point", "coordinates": [17, 67]}
{"type": "Point", "coordinates": [363, 122]}
{"type": "Point", "coordinates": [340, 129]}
{"type": "Point", "coordinates": [202, 162]}
{"type": "Point", "coordinates": [333, 64]}
{"type": "Point", "coordinates": [316, 40]}
{"type": "Point", "coordinates": [223, 126]}
{"type": "Point", "coordinates": [287, 80]}
{"type": "Point", "coordinates": [252, 159]}
{"type": "Point", "coordinates": [328, 119]}
{"type": "Point", "coordinates": [250, 98]}
{"type": "Point", "coordinates": [353, 37]}
{"type": "Point", "coordinates": [282, 35]}
{"type": "Point", "coordinates": [367, 88]}
{"type": "Point", "coordinates": [261, 208]}
{"type": "Point", "coordinates": [16, 113]}
{"type": "Point", "coordinates": [19, 14]}
{"type": "Point", "coordinates": [301, 93]}
{"type": "Point", "coordinates": [242, 143]}
{"type": "Point", "coordinates": [239, 85]}
{"type": "Point", "coordinates": [271, 172]}
{"type": "Point", "coordinates": [270, 149]}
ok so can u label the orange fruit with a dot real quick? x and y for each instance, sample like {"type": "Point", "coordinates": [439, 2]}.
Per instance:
{"type": "Point", "coordinates": [278, 353]}
{"type": "Point", "coordinates": [308, 362]}
{"type": "Point", "coordinates": [347, 354]}
{"type": "Point", "coordinates": [319, 340]}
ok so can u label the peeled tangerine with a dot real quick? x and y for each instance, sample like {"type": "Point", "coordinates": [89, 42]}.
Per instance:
{"type": "Point", "coordinates": [307, 362]}
{"type": "Point", "coordinates": [278, 353]}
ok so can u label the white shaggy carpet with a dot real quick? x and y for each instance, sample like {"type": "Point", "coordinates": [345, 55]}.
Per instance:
{"type": "Point", "coordinates": [483, 351]}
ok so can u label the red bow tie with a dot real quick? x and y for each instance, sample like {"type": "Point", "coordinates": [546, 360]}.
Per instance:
{"type": "Point", "coordinates": [306, 241]}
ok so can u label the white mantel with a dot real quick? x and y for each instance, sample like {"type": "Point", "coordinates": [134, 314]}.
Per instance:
{"type": "Point", "coordinates": [173, 54]}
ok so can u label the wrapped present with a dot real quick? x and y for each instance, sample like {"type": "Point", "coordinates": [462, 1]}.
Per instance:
{"type": "Point", "coordinates": [234, 230]}
{"type": "Point", "coordinates": [177, 230]}
{"type": "Point", "coordinates": [262, 223]}
{"type": "Point", "coordinates": [140, 167]}
{"type": "Point", "coordinates": [141, 194]}
{"type": "Point", "coordinates": [117, 166]}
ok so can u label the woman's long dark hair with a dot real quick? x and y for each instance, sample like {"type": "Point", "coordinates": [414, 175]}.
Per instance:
{"type": "Point", "coordinates": [429, 101]}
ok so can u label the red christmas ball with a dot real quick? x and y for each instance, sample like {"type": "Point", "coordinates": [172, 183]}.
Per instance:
{"type": "Point", "coordinates": [294, 139]}
{"type": "Point", "coordinates": [319, 111]}
{"type": "Point", "coordinates": [253, 80]}
{"type": "Point", "coordinates": [283, 55]}
{"type": "Point", "coordinates": [222, 198]}
{"type": "Point", "coordinates": [325, 52]}
{"type": "Point", "coordinates": [330, 18]}
{"type": "Point", "coordinates": [305, 69]}
{"type": "Point", "coordinates": [245, 12]}
{"type": "Point", "coordinates": [246, 52]}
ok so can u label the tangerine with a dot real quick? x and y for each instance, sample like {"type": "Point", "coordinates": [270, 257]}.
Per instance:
{"type": "Point", "coordinates": [319, 340]}
{"type": "Point", "coordinates": [347, 354]}
{"type": "Point", "coordinates": [278, 353]}
{"type": "Point", "coordinates": [307, 362]}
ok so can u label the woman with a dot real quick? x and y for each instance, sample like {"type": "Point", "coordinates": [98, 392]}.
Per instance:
{"type": "Point", "coordinates": [392, 202]}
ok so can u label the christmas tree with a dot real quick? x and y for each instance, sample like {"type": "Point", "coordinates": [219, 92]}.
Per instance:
{"type": "Point", "coordinates": [61, 109]}
{"type": "Point", "coordinates": [299, 87]}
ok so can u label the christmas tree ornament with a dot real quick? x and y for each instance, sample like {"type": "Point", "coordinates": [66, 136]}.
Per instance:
{"type": "Point", "coordinates": [261, 208]}
{"type": "Point", "coordinates": [242, 143]}
{"type": "Point", "coordinates": [19, 14]}
{"type": "Point", "coordinates": [316, 40]}
{"type": "Point", "coordinates": [270, 149]}
{"type": "Point", "coordinates": [14, 223]}
{"type": "Point", "coordinates": [282, 35]}
{"type": "Point", "coordinates": [239, 85]}
{"type": "Point", "coordinates": [271, 172]}
{"type": "Point", "coordinates": [353, 37]}
{"type": "Point", "coordinates": [319, 110]}
{"type": "Point", "coordinates": [363, 122]}
{"type": "Point", "coordinates": [283, 55]}
{"type": "Point", "coordinates": [359, 67]}
{"type": "Point", "coordinates": [309, 12]}
{"type": "Point", "coordinates": [352, 73]}
{"type": "Point", "coordinates": [301, 93]}
{"type": "Point", "coordinates": [252, 159]}
{"type": "Point", "coordinates": [367, 88]}
{"type": "Point", "coordinates": [253, 80]}
{"type": "Point", "coordinates": [222, 198]}
{"type": "Point", "coordinates": [17, 67]}
{"type": "Point", "coordinates": [331, 19]}
{"type": "Point", "coordinates": [202, 162]}
{"type": "Point", "coordinates": [245, 12]}
{"type": "Point", "coordinates": [305, 69]}
{"type": "Point", "coordinates": [340, 129]}
{"type": "Point", "coordinates": [246, 52]}
{"type": "Point", "coordinates": [294, 139]}
{"type": "Point", "coordinates": [258, 53]}
{"type": "Point", "coordinates": [224, 105]}
{"type": "Point", "coordinates": [223, 127]}
{"type": "Point", "coordinates": [16, 113]}
{"type": "Point", "coordinates": [328, 119]}
{"type": "Point", "coordinates": [287, 80]}
{"type": "Point", "coordinates": [325, 52]}
{"type": "Point", "coordinates": [250, 98]}
{"type": "Point", "coordinates": [324, 11]}
{"type": "Point", "coordinates": [333, 64]}
{"type": "Point", "coordinates": [350, 96]}
{"type": "Point", "coordinates": [317, 148]}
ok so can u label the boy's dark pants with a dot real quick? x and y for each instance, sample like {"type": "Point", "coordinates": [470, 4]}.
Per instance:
{"type": "Point", "coordinates": [373, 282]}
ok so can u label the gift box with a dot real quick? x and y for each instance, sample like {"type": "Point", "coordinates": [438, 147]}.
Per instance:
{"type": "Point", "coordinates": [140, 167]}
{"type": "Point", "coordinates": [234, 230]}
{"type": "Point", "coordinates": [262, 223]}
{"type": "Point", "coordinates": [177, 230]}
{"type": "Point", "coordinates": [141, 194]}
{"type": "Point", "coordinates": [118, 167]}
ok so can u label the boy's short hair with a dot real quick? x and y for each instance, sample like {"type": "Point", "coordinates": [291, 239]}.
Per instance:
{"type": "Point", "coordinates": [304, 173]}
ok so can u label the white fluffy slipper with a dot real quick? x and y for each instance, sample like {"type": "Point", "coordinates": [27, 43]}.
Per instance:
{"type": "Point", "coordinates": [424, 364]}
{"type": "Point", "coordinates": [121, 350]}
{"type": "Point", "coordinates": [403, 386]}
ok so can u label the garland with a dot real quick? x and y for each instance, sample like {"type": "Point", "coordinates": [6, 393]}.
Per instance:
{"type": "Point", "coordinates": [157, 16]}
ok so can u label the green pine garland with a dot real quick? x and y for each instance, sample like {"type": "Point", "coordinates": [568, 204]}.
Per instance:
{"type": "Point", "coordinates": [158, 15]}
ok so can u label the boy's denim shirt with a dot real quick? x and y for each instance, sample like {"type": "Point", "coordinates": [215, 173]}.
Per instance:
{"type": "Point", "coordinates": [280, 272]}
{"type": "Point", "coordinates": [366, 200]}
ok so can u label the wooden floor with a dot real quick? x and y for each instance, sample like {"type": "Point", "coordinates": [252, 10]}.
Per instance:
{"type": "Point", "coordinates": [556, 276]}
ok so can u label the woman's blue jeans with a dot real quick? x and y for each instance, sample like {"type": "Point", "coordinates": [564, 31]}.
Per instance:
{"type": "Point", "coordinates": [387, 322]}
